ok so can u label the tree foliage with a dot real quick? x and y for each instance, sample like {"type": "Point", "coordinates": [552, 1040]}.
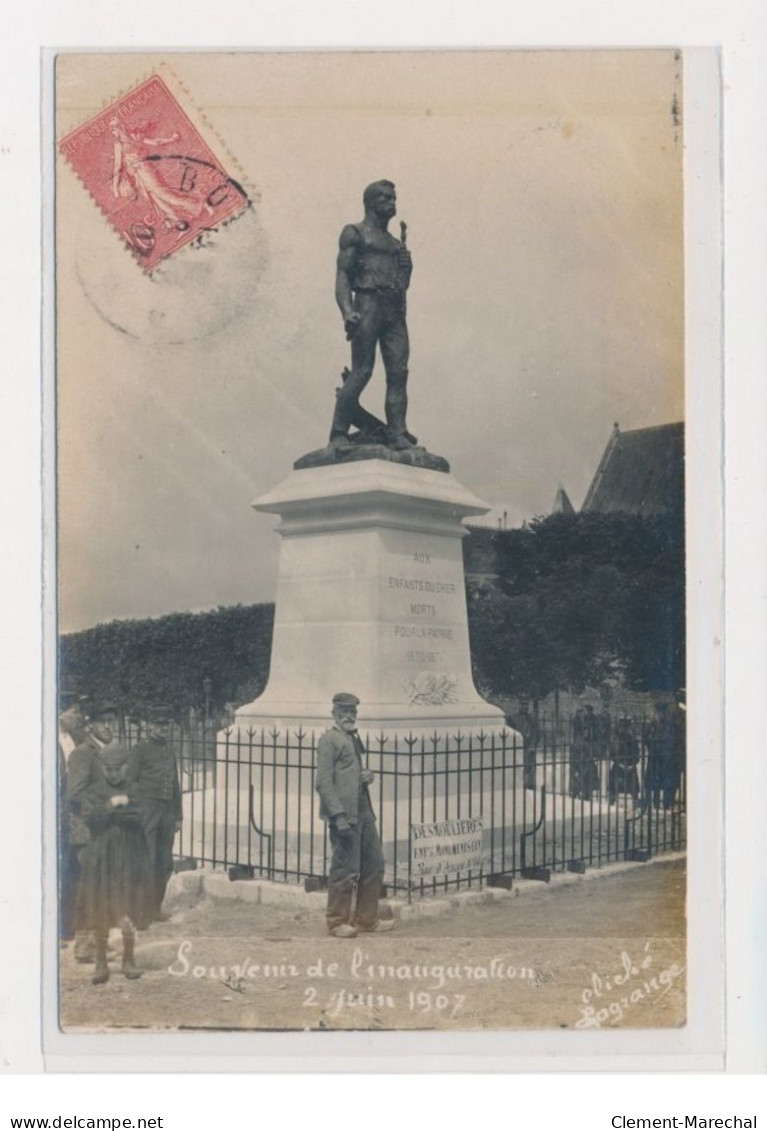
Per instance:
{"type": "Point", "coordinates": [166, 659]}
{"type": "Point", "coordinates": [579, 599]}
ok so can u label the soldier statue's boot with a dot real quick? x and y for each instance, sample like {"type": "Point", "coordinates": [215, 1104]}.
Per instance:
{"type": "Point", "coordinates": [130, 969]}
{"type": "Point", "coordinates": [101, 972]}
{"type": "Point", "coordinates": [339, 441]}
{"type": "Point", "coordinates": [400, 442]}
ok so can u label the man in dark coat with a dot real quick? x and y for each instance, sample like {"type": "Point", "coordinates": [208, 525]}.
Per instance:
{"type": "Point", "coordinates": [528, 727]}
{"type": "Point", "coordinates": [72, 722]}
{"type": "Point", "coordinates": [664, 764]}
{"type": "Point", "coordinates": [584, 773]}
{"type": "Point", "coordinates": [83, 771]}
{"type": "Point", "coordinates": [358, 862]}
{"type": "Point", "coordinates": [153, 777]}
{"type": "Point", "coordinates": [624, 751]}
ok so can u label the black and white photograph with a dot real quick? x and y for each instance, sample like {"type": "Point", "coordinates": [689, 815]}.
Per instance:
{"type": "Point", "coordinates": [370, 445]}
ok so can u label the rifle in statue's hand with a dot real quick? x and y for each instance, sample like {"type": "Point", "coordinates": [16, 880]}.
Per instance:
{"type": "Point", "coordinates": [403, 241]}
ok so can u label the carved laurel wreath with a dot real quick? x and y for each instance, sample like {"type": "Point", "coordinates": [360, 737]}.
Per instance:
{"type": "Point", "coordinates": [431, 689]}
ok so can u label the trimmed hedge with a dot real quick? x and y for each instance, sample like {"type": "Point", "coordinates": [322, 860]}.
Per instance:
{"type": "Point", "coordinates": [133, 663]}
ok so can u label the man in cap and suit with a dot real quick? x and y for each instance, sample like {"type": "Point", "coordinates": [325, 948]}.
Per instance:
{"type": "Point", "coordinates": [153, 776]}
{"type": "Point", "coordinates": [358, 862]}
{"type": "Point", "coordinates": [71, 733]}
{"type": "Point", "coordinates": [84, 771]}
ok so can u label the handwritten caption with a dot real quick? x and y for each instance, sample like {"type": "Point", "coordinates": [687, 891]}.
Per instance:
{"type": "Point", "coordinates": [418, 987]}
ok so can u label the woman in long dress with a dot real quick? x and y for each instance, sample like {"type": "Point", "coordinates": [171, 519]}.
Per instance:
{"type": "Point", "coordinates": [115, 889]}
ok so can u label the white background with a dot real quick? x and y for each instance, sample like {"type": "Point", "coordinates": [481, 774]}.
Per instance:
{"type": "Point", "coordinates": [577, 1102]}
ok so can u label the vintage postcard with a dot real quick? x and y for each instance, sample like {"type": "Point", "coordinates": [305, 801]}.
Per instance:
{"type": "Point", "coordinates": [373, 646]}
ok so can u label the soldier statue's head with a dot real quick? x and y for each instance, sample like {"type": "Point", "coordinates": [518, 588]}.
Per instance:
{"type": "Point", "coordinates": [380, 195]}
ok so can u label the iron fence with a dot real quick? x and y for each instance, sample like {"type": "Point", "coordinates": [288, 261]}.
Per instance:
{"type": "Point", "coordinates": [556, 802]}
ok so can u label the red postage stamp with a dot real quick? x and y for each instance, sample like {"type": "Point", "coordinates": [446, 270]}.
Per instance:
{"type": "Point", "coordinates": [151, 172]}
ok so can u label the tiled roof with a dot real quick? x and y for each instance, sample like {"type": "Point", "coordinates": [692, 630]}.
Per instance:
{"type": "Point", "coordinates": [641, 472]}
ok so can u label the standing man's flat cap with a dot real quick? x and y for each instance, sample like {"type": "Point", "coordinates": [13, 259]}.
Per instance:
{"type": "Point", "coordinates": [160, 713]}
{"type": "Point", "coordinates": [99, 709]}
{"type": "Point", "coordinates": [345, 699]}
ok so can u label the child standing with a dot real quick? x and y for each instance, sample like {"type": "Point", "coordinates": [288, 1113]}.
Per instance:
{"type": "Point", "coordinates": [115, 887]}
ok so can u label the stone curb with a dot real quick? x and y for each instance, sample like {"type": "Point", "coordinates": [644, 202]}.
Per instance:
{"type": "Point", "coordinates": [186, 888]}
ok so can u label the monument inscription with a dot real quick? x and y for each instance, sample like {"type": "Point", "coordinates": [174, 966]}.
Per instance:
{"type": "Point", "coordinates": [427, 633]}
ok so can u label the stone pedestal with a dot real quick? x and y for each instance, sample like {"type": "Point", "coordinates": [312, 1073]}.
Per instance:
{"type": "Point", "coordinates": [371, 599]}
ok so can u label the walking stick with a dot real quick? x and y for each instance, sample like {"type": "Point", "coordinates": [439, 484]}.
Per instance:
{"type": "Point", "coordinates": [355, 895]}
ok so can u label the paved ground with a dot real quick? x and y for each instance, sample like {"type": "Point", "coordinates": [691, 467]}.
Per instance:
{"type": "Point", "coordinates": [607, 951]}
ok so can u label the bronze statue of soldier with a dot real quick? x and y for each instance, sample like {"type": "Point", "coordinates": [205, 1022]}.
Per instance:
{"type": "Point", "coordinates": [372, 277]}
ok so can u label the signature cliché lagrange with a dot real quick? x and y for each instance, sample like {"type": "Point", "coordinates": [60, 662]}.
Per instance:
{"type": "Point", "coordinates": [611, 997]}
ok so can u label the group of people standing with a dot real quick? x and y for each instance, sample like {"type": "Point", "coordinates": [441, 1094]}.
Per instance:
{"type": "Point", "coordinates": [596, 739]}
{"type": "Point", "coordinates": [119, 812]}
{"type": "Point", "coordinates": [656, 746]}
